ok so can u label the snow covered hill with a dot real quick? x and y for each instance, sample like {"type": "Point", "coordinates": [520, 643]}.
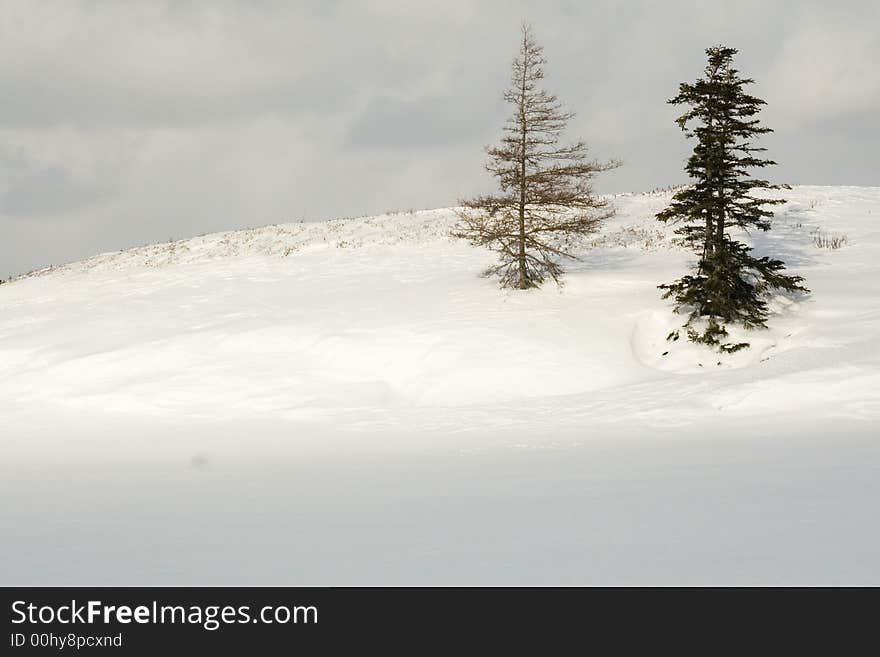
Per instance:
{"type": "Point", "coordinates": [350, 402]}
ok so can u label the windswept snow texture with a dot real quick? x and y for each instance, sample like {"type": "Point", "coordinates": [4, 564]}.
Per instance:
{"type": "Point", "coordinates": [350, 402]}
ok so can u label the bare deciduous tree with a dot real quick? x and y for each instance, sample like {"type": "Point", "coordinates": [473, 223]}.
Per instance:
{"type": "Point", "coordinates": [546, 194]}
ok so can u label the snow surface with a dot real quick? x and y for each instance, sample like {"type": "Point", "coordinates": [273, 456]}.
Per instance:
{"type": "Point", "coordinates": [349, 402]}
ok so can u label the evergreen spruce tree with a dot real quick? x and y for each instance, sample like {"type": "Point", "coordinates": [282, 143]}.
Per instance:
{"type": "Point", "coordinates": [546, 197]}
{"type": "Point", "coordinates": [728, 284]}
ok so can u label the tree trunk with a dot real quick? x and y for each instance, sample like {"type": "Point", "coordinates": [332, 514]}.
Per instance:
{"type": "Point", "coordinates": [709, 238]}
{"type": "Point", "coordinates": [722, 200]}
{"type": "Point", "coordinates": [707, 246]}
{"type": "Point", "coordinates": [523, 277]}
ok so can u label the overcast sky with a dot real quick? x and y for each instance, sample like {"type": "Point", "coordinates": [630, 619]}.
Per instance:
{"type": "Point", "coordinates": [123, 122]}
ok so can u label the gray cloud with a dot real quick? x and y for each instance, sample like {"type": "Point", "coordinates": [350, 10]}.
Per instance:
{"type": "Point", "coordinates": [419, 123]}
{"type": "Point", "coordinates": [134, 121]}
{"type": "Point", "coordinates": [47, 192]}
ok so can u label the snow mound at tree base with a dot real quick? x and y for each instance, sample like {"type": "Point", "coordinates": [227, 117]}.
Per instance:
{"type": "Point", "coordinates": [654, 348]}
